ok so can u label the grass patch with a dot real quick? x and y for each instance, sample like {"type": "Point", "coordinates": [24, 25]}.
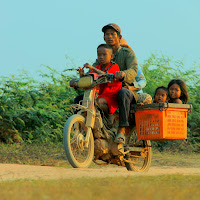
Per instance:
{"type": "Point", "coordinates": [48, 154]}
{"type": "Point", "coordinates": [175, 159]}
{"type": "Point", "coordinates": [44, 154]}
{"type": "Point", "coordinates": [159, 187]}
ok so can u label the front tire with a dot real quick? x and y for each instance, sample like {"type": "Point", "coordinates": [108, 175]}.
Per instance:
{"type": "Point", "coordinates": [73, 140]}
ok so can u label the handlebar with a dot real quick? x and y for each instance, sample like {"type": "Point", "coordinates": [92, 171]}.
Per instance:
{"type": "Point", "coordinates": [92, 79]}
{"type": "Point", "coordinates": [109, 77]}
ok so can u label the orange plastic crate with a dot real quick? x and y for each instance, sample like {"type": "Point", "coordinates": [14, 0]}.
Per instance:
{"type": "Point", "coordinates": [163, 121]}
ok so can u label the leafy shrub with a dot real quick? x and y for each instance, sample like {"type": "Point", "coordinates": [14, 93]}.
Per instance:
{"type": "Point", "coordinates": [34, 110]}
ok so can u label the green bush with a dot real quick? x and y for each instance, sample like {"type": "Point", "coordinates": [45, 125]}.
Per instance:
{"type": "Point", "coordinates": [34, 110]}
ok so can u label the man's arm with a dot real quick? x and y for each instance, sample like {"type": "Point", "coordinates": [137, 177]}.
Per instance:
{"type": "Point", "coordinates": [132, 66]}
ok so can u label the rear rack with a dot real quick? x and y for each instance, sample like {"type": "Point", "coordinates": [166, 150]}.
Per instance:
{"type": "Point", "coordinates": [162, 106]}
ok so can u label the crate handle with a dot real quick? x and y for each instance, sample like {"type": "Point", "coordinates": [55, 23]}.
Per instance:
{"type": "Point", "coordinates": [161, 106]}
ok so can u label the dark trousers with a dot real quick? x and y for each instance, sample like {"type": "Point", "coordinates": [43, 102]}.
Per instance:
{"type": "Point", "coordinates": [125, 98]}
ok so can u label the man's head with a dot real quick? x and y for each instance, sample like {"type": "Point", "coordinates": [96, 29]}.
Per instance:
{"type": "Point", "coordinates": [112, 26]}
{"type": "Point", "coordinates": [112, 34]}
{"type": "Point", "coordinates": [104, 53]}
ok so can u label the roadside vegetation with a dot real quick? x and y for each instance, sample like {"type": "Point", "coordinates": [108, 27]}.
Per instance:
{"type": "Point", "coordinates": [34, 112]}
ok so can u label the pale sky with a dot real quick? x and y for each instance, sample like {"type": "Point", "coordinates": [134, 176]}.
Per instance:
{"type": "Point", "coordinates": [44, 32]}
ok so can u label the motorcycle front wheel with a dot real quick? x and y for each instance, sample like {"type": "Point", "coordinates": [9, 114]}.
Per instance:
{"type": "Point", "coordinates": [73, 139]}
{"type": "Point", "coordinates": [139, 161]}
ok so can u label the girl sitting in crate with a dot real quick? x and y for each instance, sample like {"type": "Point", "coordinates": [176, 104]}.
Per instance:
{"type": "Point", "coordinates": [177, 91]}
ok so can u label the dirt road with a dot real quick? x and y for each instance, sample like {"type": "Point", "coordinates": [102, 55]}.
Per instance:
{"type": "Point", "coordinates": [14, 172]}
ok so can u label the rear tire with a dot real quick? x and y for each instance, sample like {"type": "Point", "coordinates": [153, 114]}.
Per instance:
{"type": "Point", "coordinates": [141, 164]}
{"type": "Point", "coordinates": [73, 140]}
{"type": "Point", "coordinates": [141, 161]}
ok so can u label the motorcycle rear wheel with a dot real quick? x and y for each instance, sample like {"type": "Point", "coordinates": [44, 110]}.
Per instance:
{"type": "Point", "coordinates": [139, 161]}
{"type": "Point", "coordinates": [73, 139]}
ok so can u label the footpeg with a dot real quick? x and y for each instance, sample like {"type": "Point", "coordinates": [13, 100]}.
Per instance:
{"type": "Point", "coordinates": [121, 149]}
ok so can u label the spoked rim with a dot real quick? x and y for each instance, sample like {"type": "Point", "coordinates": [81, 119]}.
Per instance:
{"type": "Point", "coordinates": [77, 135]}
{"type": "Point", "coordinates": [74, 135]}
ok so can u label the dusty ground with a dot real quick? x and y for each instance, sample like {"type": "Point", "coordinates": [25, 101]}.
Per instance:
{"type": "Point", "coordinates": [15, 171]}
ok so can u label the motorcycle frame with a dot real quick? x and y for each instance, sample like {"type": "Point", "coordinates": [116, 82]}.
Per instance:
{"type": "Point", "coordinates": [88, 106]}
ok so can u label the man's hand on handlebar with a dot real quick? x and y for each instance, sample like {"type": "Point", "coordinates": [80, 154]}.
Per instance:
{"type": "Point", "coordinates": [119, 75]}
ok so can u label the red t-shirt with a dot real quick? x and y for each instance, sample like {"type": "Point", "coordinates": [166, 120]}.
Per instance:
{"type": "Point", "coordinates": [109, 91]}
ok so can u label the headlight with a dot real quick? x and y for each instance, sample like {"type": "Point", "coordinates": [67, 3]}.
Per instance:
{"type": "Point", "coordinates": [85, 82]}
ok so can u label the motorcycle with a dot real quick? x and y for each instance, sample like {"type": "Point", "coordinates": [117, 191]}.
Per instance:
{"type": "Point", "coordinates": [87, 136]}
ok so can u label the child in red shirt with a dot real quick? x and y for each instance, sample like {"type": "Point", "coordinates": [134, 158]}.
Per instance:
{"type": "Point", "coordinates": [107, 98]}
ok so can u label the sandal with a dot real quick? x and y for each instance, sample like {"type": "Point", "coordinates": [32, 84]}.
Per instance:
{"type": "Point", "coordinates": [120, 139]}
